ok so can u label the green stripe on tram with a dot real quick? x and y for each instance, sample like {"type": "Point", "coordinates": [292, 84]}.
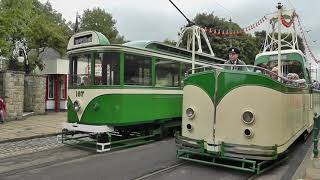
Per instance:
{"type": "Point", "coordinates": [125, 109]}
{"type": "Point", "coordinates": [229, 80]}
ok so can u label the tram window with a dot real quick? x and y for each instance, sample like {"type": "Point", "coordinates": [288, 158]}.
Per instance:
{"type": "Point", "coordinates": [80, 70]}
{"type": "Point", "coordinates": [137, 70]}
{"type": "Point", "coordinates": [107, 69]}
{"type": "Point", "coordinates": [293, 67]}
{"type": "Point", "coordinates": [167, 73]}
{"type": "Point", "coordinates": [185, 68]}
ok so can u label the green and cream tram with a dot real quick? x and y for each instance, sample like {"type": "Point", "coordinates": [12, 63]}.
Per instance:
{"type": "Point", "coordinates": [247, 119]}
{"type": "Point", "coordinates": [124, 95]}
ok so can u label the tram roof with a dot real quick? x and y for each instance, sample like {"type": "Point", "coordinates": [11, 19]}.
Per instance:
{"type": "Point", "coordinates": [162, 47]}
{"type": "Point", "coordinates": [289, 55]}
{"type": "Point", "coordinates": [87, 38]}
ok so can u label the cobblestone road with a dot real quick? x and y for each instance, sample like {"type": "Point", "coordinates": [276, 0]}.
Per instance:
{"type": "Point", "coordinates": [28, 146]}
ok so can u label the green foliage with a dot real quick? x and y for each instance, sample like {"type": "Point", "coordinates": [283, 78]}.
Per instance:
{"type": "Point", "coordinates": [99, 20]}
{"type": "Point", "coordinates": [39, 24]}
{"type": "Point", "coordinates": [249, 45]}
{"type": "Point", "coordinates": [170, 42]}
{"type": "Point", "coordinates": [221, 44]}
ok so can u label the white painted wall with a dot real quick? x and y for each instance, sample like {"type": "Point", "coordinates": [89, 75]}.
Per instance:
{"type": "Point", "coordinates": [58, 66]}
{"type": "Point", "coordinates": [63, 104]}
{"type": "Point", "coordinates": [50, 104]}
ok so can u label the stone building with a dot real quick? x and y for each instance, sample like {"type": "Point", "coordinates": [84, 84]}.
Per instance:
{"type": "Point", "coordinates": [39, 92]}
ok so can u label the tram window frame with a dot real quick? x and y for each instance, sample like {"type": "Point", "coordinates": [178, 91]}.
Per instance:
{"type": "Point", "coordinates": [74, 75]}
{"type": "Point", "coordinates": [129, 79]}
{"type": "Point", "coordinates": [299, 69]}
{"type": "Point", "coordinates": [171, 81]}
{"type": "Point", "coordinates": [109, 77]}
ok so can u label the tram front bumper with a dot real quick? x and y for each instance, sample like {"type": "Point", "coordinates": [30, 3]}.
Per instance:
{"type": "Point", "coordinates": [200, 147]}
{"type": "Point", "coordinates": [87, 128]}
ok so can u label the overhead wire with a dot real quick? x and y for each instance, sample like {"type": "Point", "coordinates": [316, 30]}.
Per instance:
{"type": "Point", "coordinates": [226, 9]}
{"type": "Point", "coordinates": [307, 32]}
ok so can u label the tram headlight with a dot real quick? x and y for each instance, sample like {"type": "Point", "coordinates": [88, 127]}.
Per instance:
{"type": "Point", "coordinates": [190, 113]}
{"type": "Point", "coordinates": [248, 132]}
{"type": "Point", "coordinates": [76, 106]}
{"type": "Point", "coordinates": [248, 117]}
{"type": "Point", "coordinates": [189, 127]}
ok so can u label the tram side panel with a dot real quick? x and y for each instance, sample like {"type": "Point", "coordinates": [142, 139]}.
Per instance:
{"type": "Point", "coordinates": [120, 107]}
{"type": "Point", "coordinates": [198, 94]}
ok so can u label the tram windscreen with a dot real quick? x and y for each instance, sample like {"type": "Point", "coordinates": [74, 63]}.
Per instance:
{"type": "Point", "coordinates": [79, 70]}
{"type": "Point", "coordinates": [288, 67]}
{"type": "Point", "coordinates": [107, 69]}
{"type": "Point", "coordinates": [137, 70]}
{"type": "Point", "coordinates": [167, 73]}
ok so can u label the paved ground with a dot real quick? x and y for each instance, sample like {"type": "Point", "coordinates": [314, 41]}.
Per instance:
{"type": "Point", "coordinates": [152, 161]}
{"type": "Point", "coordinates": [124, 164]}
{"type": "Point", "coordinates": [33, 126]}
{"type": "Point", "coordinates": [19, 140]}
{"type": "Point", "coordinates": [11, 149]}
{"type": "Point", "coordinates": [309, 168]}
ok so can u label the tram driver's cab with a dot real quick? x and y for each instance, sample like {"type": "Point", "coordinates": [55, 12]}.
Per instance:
{"type": "Point", "coordinates": [294, 71]}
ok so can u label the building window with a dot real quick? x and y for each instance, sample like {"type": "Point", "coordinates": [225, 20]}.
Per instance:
{"type": "Point", "coordinates": [62, 89]}
{"type": "Point", "coordinates": [50, 87]}
{"type": "Point", "coordinates": [167, 73]}
{"type": "Point", "coordinates": [137, 70]}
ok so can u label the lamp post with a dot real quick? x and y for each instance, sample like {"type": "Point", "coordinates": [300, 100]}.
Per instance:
{"type": "Point", "coordinates": [20, 52]}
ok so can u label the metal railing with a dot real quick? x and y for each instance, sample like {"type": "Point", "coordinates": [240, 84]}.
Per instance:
{"type": "Point", "coordinates": [316, 127]}
{"type": "Point", "coordinates": [251, 68]}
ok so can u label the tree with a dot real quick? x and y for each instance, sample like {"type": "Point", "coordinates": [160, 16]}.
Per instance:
{"type": "Point", "coordinates": [39, 24]}
{"type": "Point", "coordinates": [170, 42]}
{"type": "Point", "coordinates": [221, 44]}
{"type": "Point", "coordinates": [250, 45]}
{"type": "Point", "coordinates": [99, 20]}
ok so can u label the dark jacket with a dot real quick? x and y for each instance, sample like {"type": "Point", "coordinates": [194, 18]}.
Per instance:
{"type": "Point", "coordinates": [236, 62]}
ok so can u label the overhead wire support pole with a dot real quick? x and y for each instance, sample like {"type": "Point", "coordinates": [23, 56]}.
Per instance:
{"type": "Point", "coordinates": [279, 40]}
{"type": "Point", "coordinates": [193, 47]}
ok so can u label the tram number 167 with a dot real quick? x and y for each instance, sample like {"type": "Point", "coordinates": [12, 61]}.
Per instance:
{"type": "Point", "coordinates": [79, 93]}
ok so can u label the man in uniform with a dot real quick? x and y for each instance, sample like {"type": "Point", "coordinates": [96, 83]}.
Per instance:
{"type": "Point", "coordinates": [233, 60]}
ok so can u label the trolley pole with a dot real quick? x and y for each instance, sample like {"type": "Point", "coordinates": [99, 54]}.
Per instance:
{"type": "Point", "coordinates": [279, 40]}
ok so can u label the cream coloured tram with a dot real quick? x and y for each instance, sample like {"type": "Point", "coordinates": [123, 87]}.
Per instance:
{"type": "Point", "coordinates": [246, 119]}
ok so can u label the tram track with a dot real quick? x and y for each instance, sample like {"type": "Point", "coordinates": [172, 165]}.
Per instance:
{"type": "Point", "coordinates": [149, 175]}
{"type": "Point", "coordinates": [41, 159]}
{"type": "Point", "coordinates": [169, 172]}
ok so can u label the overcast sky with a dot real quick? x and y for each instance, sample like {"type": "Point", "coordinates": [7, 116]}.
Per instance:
{"type": "Point", "coordinates": [158, 19]}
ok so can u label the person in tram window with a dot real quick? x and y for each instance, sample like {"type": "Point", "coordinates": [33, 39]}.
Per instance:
{"type": "Point", "coordinates": [234, 60]}
{"type": "Point", "coordinates": [296, 79]}
{"type": "Point", "coordinates": [274, 73]}
{"type": "Point", "coordinates": [302, 83]}
{"type": "Point", "coordinates": [290, 78]}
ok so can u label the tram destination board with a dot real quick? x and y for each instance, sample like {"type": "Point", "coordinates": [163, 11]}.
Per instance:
{"type": "Point", "coordinates": [83, 39]}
